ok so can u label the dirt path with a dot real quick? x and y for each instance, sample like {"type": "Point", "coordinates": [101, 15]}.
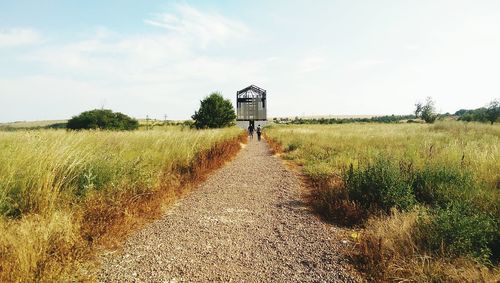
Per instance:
{"type": "Point", "coordinates": [246, 223]}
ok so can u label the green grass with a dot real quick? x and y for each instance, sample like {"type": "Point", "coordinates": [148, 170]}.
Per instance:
{"type": "Point", "coordinates": [364, 171]}
{"type": "Point", "coordinates": [61, 191]}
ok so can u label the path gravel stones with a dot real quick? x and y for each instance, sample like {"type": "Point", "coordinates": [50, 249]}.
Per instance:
{"type": "Point", "coordinates": [246, 223]}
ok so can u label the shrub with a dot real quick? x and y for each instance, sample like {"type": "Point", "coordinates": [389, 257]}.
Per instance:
{"type": "Point", "coordinates": [96, 177]}
{"type": "Point", "coordinates": [57, 126]}
{"type": "Point", "coordinates": [428, 111]}
{"type": "Point", "coordinates": [214, 112]}
{"type": "Point", "coordinates": [9, 204]}
{"type": "Point", "coordinates": [102, 119]}
{"type": "Point", "coordinates": [460, 230]}
{"type": "Point", "coordinates": [440, 185]}
{"type": "Point", "coordinates": [493, 111]}
{"type": "Point", "coordinates": [293, 146]}
{"type": "Point", "coordinates": [381, 185]}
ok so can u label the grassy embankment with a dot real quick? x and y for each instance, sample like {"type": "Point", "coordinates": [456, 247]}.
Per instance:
{"type": "Point", "coordinates": [425, 196]}
{"type": "Point", "coordinates": [62, 194]}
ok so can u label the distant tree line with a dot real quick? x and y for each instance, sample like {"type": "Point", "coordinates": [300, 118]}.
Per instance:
{"type": "Point", "coordinates": [423, 112]}
{"type": "Point", "coordinates": [378, 119]}
{"type": "Point", "coordinates": [489, 114]}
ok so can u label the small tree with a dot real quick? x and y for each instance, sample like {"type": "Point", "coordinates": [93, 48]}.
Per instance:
{"type": "Point", "coordinates": [418, 109]}
{"type": "Point", "coordinates": [214, 112]}
{"type": "Point", "coordinates": [493, 111]}
{"type": "Point", "coordinates": [102, 119]}
{"type": "Point", "coordinates": [428, 111]}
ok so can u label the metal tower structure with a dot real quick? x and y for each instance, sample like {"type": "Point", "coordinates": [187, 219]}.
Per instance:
{"type": "Point", "coordinates": [251, 104]}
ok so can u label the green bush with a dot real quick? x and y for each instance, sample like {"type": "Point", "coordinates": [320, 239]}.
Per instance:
{"type": "Point", "coordinates": [426, 111]}
{"type": "Point", "coordinates": [460, 230]}
{"type": "Point", "coordinates": [458, 225]}
{"type": "Point", "coordinates": [440, 185]}
{"type": "Point", "coordinates": [214, 112]}
{"type": "Point", "coordinates": [293, 146]}
{"type": "Point", "coordinates": [381, 185]}
{"type": "Point", "coordinates": [12, 202]}
{"type": "Point", "coordinates": [102, 119]}
{"type": "Point", "coordinates": [95, 177]}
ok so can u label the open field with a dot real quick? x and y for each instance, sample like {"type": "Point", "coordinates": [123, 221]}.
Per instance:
{"type": "Point", "coordinates": [423, 199]}
{"type": "Point", "coordinates": [61, 124]}
{"type": "Point", "coordinates": [64, 193]}
{"type": "Point", "coordinates": [29, 124]}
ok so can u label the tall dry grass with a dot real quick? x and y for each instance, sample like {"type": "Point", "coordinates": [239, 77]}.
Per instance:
{"type": "Point", "coordinates": [62, 194]}
{"type": "Point", "coordinates": [389, 251]}
{"type": "Point", "coordinates": [361, 172]}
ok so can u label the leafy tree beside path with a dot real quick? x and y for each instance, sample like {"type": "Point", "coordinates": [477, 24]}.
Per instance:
{"type": "Point", "coordinates": [214, 112]}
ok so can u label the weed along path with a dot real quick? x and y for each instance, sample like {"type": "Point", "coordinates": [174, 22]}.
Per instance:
{"type": "Point", "coordinates": [246, 223]}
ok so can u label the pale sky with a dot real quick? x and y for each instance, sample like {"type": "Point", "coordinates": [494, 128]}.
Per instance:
{"type": "Point", "coordinates": [59, 58]}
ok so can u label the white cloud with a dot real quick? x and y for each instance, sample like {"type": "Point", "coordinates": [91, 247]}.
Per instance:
{"type": "Point", "coordinates": [365, 64]}
{"type": "Point", "coordinates": [205, 28]}
{"type": "Point", "coordinates": [123, 58]}
{"type": "Point", "coordinates": [314, 60]}
{"type": "Point", "coordinates": [153, 57]}
{"type": "Point", "coordinates": [369, 62]}
{"type": "Point", "coordinates": [18, 36]}
{"type": "Point", "coordinates": [151, 69]}
{"type": "Point", "coordinates": [40, 93]}
{"type": "Point", "coordinates": [312, 64]}
{"type": "Point", "coordinates": [412, 47]}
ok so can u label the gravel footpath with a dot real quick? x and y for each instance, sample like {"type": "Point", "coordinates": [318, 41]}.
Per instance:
{"type": "Point", "coordinates": [246, 223]}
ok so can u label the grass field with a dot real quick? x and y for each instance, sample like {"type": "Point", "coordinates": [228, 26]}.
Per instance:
{"type": "Point", "coordinates": [426, 197]}
{"type": "Point", "coordinates": [64, 193]}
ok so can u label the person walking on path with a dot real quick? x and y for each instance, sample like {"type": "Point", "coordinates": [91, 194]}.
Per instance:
{"type": "Point", "coordinates": [259, 132]}
{"type": "Point", "coordinates": [250, 131]}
